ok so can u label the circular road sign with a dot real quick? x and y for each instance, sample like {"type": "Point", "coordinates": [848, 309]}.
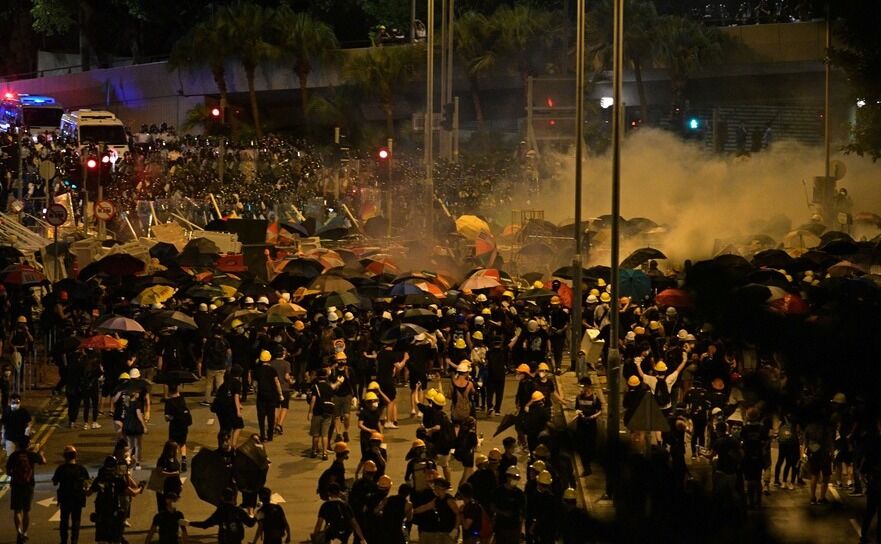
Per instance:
{"type": "Point", "coordinates": [56, 215]}
{"type": "Point", "coordinates": [104, 210]}
{"type": "Point", "coordinates": [47, 170]}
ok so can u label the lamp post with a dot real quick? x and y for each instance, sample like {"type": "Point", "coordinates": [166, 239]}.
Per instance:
{"type": "Point", "coordinates": [429, 113]}
{"type": "Point", "coordinates": [577, 297]}
{"type": "Point", "coordinates": [613, 364]}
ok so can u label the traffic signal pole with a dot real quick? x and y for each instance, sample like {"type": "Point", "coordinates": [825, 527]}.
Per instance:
{"type": "Point", "coordinates": [578, 296]}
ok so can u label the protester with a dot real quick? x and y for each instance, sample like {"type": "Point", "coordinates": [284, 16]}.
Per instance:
{"type": "Point", "coordinates": [20, 467]}
{"type": "Point", "coordinates": [229, 519]}
{"type": "Point", "coordinates": [72, 480]}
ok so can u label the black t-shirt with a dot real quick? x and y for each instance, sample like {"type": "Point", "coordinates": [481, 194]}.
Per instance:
{"type": "Point", "coordinates": [420, 355]}
{"type": "Point", "coordinates": [15, 422]}
{"type": "Point", "coordinates": [370, 418]}
{"type": "Point", "coordinates": [323, 394]}
{"type": "Point", "coordinates": [473, 511]}
{"type": "Point", "coordinates": [338, 516]}
{"type": "Point", "coordinates": [509, 505]}
{"type": "Point", "coordinates": [167, 524]}
{"type": "Point", "coordinates": [427, 521]}
{"type": "Point", "coordinates": [176, 413]}
{"type": "Point", "coordinates": [71, 480]}
{"type": "Point", "coordinates": [265, 377]}
{"type": "Point", "coordinates": [385, 365]}
{"type": "Point", "coordinates": [274, 521]}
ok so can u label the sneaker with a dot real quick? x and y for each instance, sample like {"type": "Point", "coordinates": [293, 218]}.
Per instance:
{"type": "Point", "coordinates": [391, 425]}
{"type": "Point", "coordinates": [813, 501]}
{"type": "Point", "coordinates": [71, 425]}
{"type": "Point", "coordinates": [137, 466]}
{"type": "Point", "coordinates": [694, 457]}
{"type": "Point", "coordinates": [86, 426]}
{"type": "Point", "coordinates": [279, 430]}
{"type": "Point", "coordinates": [324, 457]}
{"type": "Point", "coordinates": [314, 454]}
{"type": "Point", "coordinates": [778, 484]}
{"type": "Point", "coordinates": [412, 413]}
{"type": "Point", "coordinates": [338, 438]}
{"type": "Point", "coordinates": [790, 486]}
{"type": "Point", "coordinates": [96, 425]}
{"type": "Point", "coordinates": [204, 403]}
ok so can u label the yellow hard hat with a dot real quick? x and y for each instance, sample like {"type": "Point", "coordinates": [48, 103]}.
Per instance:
{"type": "Point", "coordinates": [340, 447]}
{"type": "Point", "coordinates": [594, 292]}
{"type": "Point", "coordinates": [660, 366]}
{"type": "Point", "coordinates": [545, 478]}
{"type": "Point", "coordinates": [373, 385]}
{"type": "Point", "coordinates": [477, 335]}
{"type": "Point", "coordinates": [495, 455]}
{"type": "Point", "coordinates": [236, 323]}
{"type": "Point", "coordinates": [654, 325]}
{"type": "Point", "coordinates": [369, 466]}
{"type": "Point", "coordinates": [384, 482]}
{"type": "Point", "coordinates": [370, 395]}
{"type": "Point", "coordinates": [480, 459]}
{"type": "Point", "coordinates": [341, 356]}
{"type": "Point", "coordinates": [555, 300]}
{"type": "Point", "coordinates": [569, 494]}
{"type": "Point", "coordinates": [124, 376]}
{"type": "Point", "coordinates": [440, 399]}
{"type": "Point", "coordinates": [508, 294]}
{"type": "Point", "coordinates": [537, 396]}
{"type": "Point", "coordinates": [298, 325]}
{"type": "Point", "coordinates": [459, 343]}
{"type": "Point", "coordinates": [633, 381]}
{"type": "Point", "coordinates": [537, 284]}
{"type": "Point", "coordinates": [543, 366]}
{"type": "Point", "coordinates": [601, 282]}
{"type": "Point", "coordinates": [418, 443]}
{"type": "Point", "coordinates": [431, 393]}
{"type": "Point", "coordinates": [265, 356]}
{"type": "Point", "coordinates": [523, 368]}
{"type": "Point", "coordinates": [639, 330]}
{"type": "Point", "coordinates": [22, 319]}
{"type": "Point", "coordinates": [605, 297]}
{"type": "Point", "coordinates": [539, 466]}
{"type": "Point", "coordinates": [486, 311]}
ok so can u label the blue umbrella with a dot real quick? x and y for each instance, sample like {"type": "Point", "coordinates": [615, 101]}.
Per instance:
{"type": "Point", "coordinates": [634, 284]}
{"type": "Point", "coordinates": [404, 288]}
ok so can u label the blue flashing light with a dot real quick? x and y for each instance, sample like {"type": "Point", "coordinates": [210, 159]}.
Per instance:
{"type": "Point", "coordinates": [35, 100]}
{"type": "Point", "coordinates": [694, 123]}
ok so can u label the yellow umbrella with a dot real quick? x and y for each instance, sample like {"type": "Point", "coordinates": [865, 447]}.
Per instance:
{"type": "Point", "coordinates": [154, 294]}
{"type": "Point", "coordinates": [287, 309]}
{"type": "Point", "coordinates": [470, 226]}
{"type": "Point", "coordinates": [228, 290]}
{"type": "Point", "coordinates": [302, 293]}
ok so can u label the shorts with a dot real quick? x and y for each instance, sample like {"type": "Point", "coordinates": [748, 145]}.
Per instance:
{"type": "Point", "coordinates": [178, 436]}
{"type": "Point", "coordinates": [21, 497]}
{"type": "Point", "coordinates": [286, 400]}
{"type": "Point", "coordinates": [418, 379]}
{"type": "Point", "coordinates": [342, 406]}
{"type": "Point", "coordinates": [820, 465]}
{"type": "Point", "coordinates": [442, 461]}
{"type": "Point", "coordinates": [389, 390]}
{"type": "Point", "coordinates": [320, 425]}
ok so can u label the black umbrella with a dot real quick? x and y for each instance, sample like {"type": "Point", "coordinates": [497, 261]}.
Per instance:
{"type": "Point", "coordinates": [201, 245]}
{"type": "Point", "coordinates": [729, 260]}
{"type": "Point", "coordinates": [508, 421]}
{"type": "Point", "coordinates": [256, 288]}
{"type": "Point", "coordinates": [840, 246]}
{"type": "Point", "coordinates": [418, 299]}
{"type": "Point", "coordinates": [209, 475]}
{"type": "Point", "coordinates": [302, 268]}
{"type": "Point", "coordinates": [376, 227]}
{"type": "Point", "coordinates": [168, 318]}
{"type": "Point", "coordinates": [76, 290]}
{"type": "Point", "coordinates": [772, 258]}
{"type": "Point", "coordinates": [250, 466]}
{"type": "Point", "coordinates": [116, 265]}
{"type": "Point", "coordinates": [163, 251]}
{"type": "Point", "coordinates": [10, 253]}
{"type": "Point", "coordinates": [192, 259]}
{"type": "Point", "coordinates": [768, 276]}
{"type": "Point", "coordinates": [640, 256]}
{"type": "Point", "coordinates": [403, 331]}
{"type": "Point", "coordinates": [599, 272]}
{"type": "Point", "coordinates": [334, 229]}
{"type": "Point", "coordinates": [568, 273]}
{"type": "Point", "coordinates": [422, 317]}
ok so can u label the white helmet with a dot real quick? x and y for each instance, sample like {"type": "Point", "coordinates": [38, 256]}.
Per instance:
{"type": "Point", "coordinates": [478, 320]}
{"type": "Point", "coordinates": [286, 297]}
{"type": "Point", "coordinates": [348, 316]}
{"type": "Point", "coordinates": [203, 307]}
{"type": "Point", "coordinates": [333, 317]}
{"type": "Point", "coordinates": [249, 300]}
{"type": "Point", "coordinates": [263, 300]}
{"type": "Point", "coordinates": [463, 367]}
{"type": "Point", "coordinates": [481, 298]}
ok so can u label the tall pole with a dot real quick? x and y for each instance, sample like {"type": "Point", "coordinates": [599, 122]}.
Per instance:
{"type": "Point", "coordinates": [442, 142]}
{"type": "Point", "coordinates": [577, 297]}
{"type": "Point", "coordinates": [826, 121]}
{"type": "Point", "coordinates": [412, 21]}
{"type": "Point", "coordinates": [390, 143]}
{"type": "Point", "coordinates": [448, 99]}
{"type": "Point", "coordinates": [20, 166]}
{"type": "Point", "coordinates": [429, 113]}
{"type": "Point", "coordinates": [613, 367]}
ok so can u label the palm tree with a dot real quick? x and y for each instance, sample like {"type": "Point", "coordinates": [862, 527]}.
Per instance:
{"type": "Point", "coordinates": [248, 26]}
{"type": "Point", "coordinates": [381, 72]}
{"type": "Point", "coordinates": [205, 45]}
{"type": "Point", "coordinates": [523, 32]}
{"type": "Point", "coordinates": [477, 44]}
{"type": "Point", "coordinates": [304, 40]}
{"type": "Point", "coordinates": [683, 47]}
{"type": "Point", "coordinates": [640, 40]}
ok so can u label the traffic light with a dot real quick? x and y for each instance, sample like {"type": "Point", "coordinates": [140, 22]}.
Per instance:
{"type": "Point", "coordinates": [694, 123]}
{"type": "Point", "coordinates": [92, 163]}
{"type": "Point", "coordinates": [383, 153]}
{"type": "Point", "coordinates": [448, 113]}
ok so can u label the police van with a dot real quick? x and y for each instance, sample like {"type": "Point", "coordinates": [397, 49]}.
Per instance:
{"type": "Point", "coordinates": [38, 114]}
{"type": "Point", "coordinates": [94, 127]}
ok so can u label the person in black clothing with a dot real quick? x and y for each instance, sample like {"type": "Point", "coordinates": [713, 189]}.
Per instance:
{"type": "Point", "coordinates": [336, 518]}
{"type": "Point", "coordinates": [394, 512]}
{"type": "Point", "coordinates": [483, 482]}
{"type": "Point", "coordinates": [388, 363]}
{"type": "Point", "coordinates": [16, 422]}
{"type": "Point", "coordinates": [169, 522]}
{"type": "Point", "coordinates": [574, 521]}
{"type": "Point", "coordinates": [698, 409]}
{"type": "Point", "coordinates": [71, 480]}
{"type": "Point", "coordinates": [169, 468]}
{"type": "Point", "coordinates": [588, 408]}
{"type": "Point", "coordinates": [507, 458]}
{"type": "Point", "coordinates": [269, 396]}
{"type": "Point", "coordinates": [229, 519]}
{"type": "Point", "coordinates": [73, 386]}
{"type": "Point", "coordinates": [362, 496]}
{"type": "Point", "coordinates": [508, 507]}
{"type": "Point", "coordinates": [559, 326]}
{"type": "Point", "coordinates": [445, 512]}
{"type": "Point", "coordinates": [369, 420]}
{"type": "Point", "coordinates": [420, 354]}
{"type": "Point", "coordinates": [496, 370]}
{"type": "Point", "coordinates": [376, 454]}
{"type": "Point", "coordinates": [336, 473]}
{"type": "Point", "coordinates": [272, 524]}
{"type": "Point", "coordinates": [753, 439]}
{"type": "Point", "coordinates": [871, 471]}
{"type": "Point", "coordinates": [113, 489]}
{"type": "Point", "coordinates": [227, 404]}
{"type": "Point", "coordinates": [179, 420]}
{"type": "Point", "coordinates": [242, 354]}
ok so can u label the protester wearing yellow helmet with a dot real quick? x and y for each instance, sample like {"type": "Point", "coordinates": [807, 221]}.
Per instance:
{"type": "Point", "coordinates": [369, 418]}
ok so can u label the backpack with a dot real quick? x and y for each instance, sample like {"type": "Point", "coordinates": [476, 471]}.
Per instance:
{"type": "Point", "coordinates": [662, 393]}
{"type": "Point", "coordinates": [784, 433]}
{"type": "Point", "coordinates": [447, 432]}
{"type": "Point", "coordinates": [22, 470]}
{"type": "Point", "coordinates": [461, 407]}
{"type": "Point", "coordinates": [273, 523]}
{"type": "Point", "coordinates": [336, 522]}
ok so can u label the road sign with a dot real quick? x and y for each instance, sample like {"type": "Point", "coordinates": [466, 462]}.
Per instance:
{"type": "Point", "coordinates": [47, 170]}
{"type": "Point", "coordinates": [104, 210]}
{"type": "Point", "coordinates": [837, 169]}
{"type": "Point", "coordinates": [56, 215]}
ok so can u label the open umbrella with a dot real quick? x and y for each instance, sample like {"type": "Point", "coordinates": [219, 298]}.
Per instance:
{"type": "Point", "coordinates": [287, 309]}
{"type": "Point", "coordinates": [843, 269]}
{"type": "Point", "coordinates": [536, 295]}
{"type": "Point", "coordinates": [205, 292]}
{"type": "Point", "coordinates": [470, 226]}
{"type": "Point", "coordinates": [101, 341]}
{"type": "Point", "coordinates": [270, 320]}
{"type": "Point", "coordinates": [403, 331]}
{"type": "Point", "coordinates": [120, 324]}
{"type": "Point", "coordinates": [22, 275]}
{"type": "Point", "coordinates": [634, 283]}
{"type": "Point", "coordinates": [331, 284]}
{"type": "Point", "coordinates": [245, 316]}
{"type": "Point", "coordinates": [508, 421]}
{"type": "Point", "coordinates": [10, 253]}
{"type": "Point", "coordinates": [209, 475]}
{"type": "Point", "coordinates": [203, 246]}
{"type": "Point", "coordinates": [300, 268]}
{"type": "Point", "coordinates": [114, 265]}
{"type": "Point", "coordinates": [163, 251]}
{"type": "Point", "coordinates": [801, 239]}
{"type": "Point", "coordinates": [422, 317]}
{"type": "Point", "coordinates": [169, 318]}
{"type": "Point", "coordinates": [476, 282]}
{"type": "Point", "coordinates": [155, 294]}
{"type": "Point", "coordinates": [404, 288]}
{"type": "Point", "coordinates": [342, 299]}
{"type": "Point", "coordinates": [250, 466]}
{"type": "Point", "coordinates": [327, 257]}
{"type": "Point", "coordinates": [642, 255]}
{"type": "Point", "coordinates": [772, 258]}
{"type": "Point", "coordinates": [418, 299]}
{"type": "Point", "coordinates": [674, 297]}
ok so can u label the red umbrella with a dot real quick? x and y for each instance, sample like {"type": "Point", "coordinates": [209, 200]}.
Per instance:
{"type": "Point", "coordinates": [790, 304]}
{"type": "Point", "coordinates": [21, 274]}
{"type": "Point", "coordinates": [674, 297]}
{"type": "Point", "coordinates": [101, 341]}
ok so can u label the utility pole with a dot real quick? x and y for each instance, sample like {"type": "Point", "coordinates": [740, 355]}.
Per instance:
{"type": "Point", "coordinates": [826, 98]}
{"type": "Point", "coordinates": [577, 296]}
{"type": "Point", "coordinates": [429, 113]}
{"type": "Point", "coordinates": [448, 99]}
{"type": "Point", "coordinates": [442, 143]}
{"type": "Point", "coordinates": [613, 365]}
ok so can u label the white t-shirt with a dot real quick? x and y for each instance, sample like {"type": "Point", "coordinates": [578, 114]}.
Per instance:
{"type": "Point", "coordinates": [652, 382]}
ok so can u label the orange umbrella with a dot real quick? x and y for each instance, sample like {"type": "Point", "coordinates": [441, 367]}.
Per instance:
{"type": "Point", "coordinates": [479, 282]}
{"type": "Point", "coordinates": [327, 257]}
{"type": "Point", "coordinates": [430, 288]}
{"type": "Point", "coordinates": [101, 341]}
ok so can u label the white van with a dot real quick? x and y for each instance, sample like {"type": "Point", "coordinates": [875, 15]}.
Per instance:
{"type": "Point", "coordinates": [84, 127]}
{"type": "Point", "coordinates": [38, 114]}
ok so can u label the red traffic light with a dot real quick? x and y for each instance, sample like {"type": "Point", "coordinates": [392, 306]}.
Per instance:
{"type": "Point", "coordinates": [215, 112]}
{"type": "Point", "coordinates": [550, 102]}
{"type": "Point", "coordinates": [383, 153]}
{"type": "Point", "coordinates": [91, 163]}
{"type": "Point", "coordinates": [105, 159]}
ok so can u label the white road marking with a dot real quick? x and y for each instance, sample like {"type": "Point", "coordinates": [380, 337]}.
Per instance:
{"type": "Point", "coordinates": [856, 527]}
{"type": "Point", "coordinates": [56, 517]}
{"type": "Point", "coordinates": [48, 502]}
{"type": "Point", "coordinates": [835, 494]}
{"type": "Point", "coordinates": [276, 499]}
{"type": "Point", "coordinates": [211, 421]}
{"type": "Point", "coordinates": [183, 479]}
